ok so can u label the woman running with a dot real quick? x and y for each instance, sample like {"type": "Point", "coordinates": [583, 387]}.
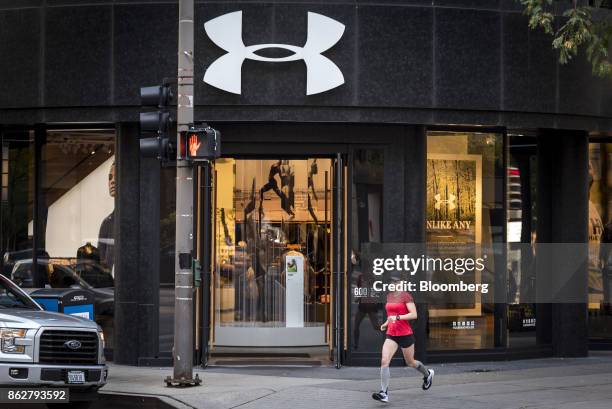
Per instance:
{"type": "Point", "coordinates": [400, 309]}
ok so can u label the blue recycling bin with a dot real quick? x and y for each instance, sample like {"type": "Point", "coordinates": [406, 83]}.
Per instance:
{"type": "Point", "coordinates": [71, 301]}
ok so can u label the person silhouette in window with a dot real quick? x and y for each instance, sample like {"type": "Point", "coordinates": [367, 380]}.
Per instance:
{"type": "Point", "coordinates": [106, 236]}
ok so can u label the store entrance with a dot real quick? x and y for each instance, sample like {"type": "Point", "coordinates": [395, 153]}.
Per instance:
{"type": "Point", "coordinates": [272, 239]}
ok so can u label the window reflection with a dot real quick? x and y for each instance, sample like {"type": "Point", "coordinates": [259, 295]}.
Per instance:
{"type": "Point", "coordinates": [17, 198]}
{"type": "Point", "coordinates": [77, 210]}
{"type": "Point", "coordinates": [366, 227]}
{"type": "Point", "coordinates": [521, 199]}
{"type": "Point", "coordinates": [167, 229]}
{"type": "Point", "coordinates": [74, 215]}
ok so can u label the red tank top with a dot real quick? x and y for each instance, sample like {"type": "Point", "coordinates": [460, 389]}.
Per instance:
{"type": "Point", "coordinates": [396, 305]}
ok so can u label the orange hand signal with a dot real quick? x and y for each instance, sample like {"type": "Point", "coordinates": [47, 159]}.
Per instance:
{"type": "Point", "coordinates": [194, 145]}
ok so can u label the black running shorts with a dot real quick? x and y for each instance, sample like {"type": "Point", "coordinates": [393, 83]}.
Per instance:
{"type": "Point", "coordinates": [404, 341]}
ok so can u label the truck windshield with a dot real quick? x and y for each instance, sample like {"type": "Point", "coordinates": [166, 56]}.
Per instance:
{"type": "Point", "coordinates": [12, 297]}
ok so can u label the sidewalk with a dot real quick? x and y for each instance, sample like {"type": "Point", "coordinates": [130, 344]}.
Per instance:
{"type": "Point", "coordinates": [540, 383]}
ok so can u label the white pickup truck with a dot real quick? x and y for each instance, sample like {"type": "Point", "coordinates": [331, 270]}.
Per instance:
{"type": "Point", "coordinates": [47, 349]}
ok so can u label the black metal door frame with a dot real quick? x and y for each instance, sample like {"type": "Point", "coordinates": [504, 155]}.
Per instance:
{"type": "Point", "coordinates": [338, 269]}
{"type": "Point", "coordinates": [203, 228]}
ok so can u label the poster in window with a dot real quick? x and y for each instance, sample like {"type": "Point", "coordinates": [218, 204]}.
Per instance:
{"type": "Point", "coordinates": [453, 226]}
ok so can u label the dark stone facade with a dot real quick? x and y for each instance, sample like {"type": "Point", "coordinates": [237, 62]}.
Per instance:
{"type": "Point", "coordinates": [407, 64]}
{"type": "Point", "coordinates": [420, 62]}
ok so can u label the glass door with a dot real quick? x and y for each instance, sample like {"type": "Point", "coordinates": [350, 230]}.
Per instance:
{"type": "Point", "coordinates": [271, 252]}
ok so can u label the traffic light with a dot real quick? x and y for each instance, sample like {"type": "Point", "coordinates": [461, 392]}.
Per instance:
{"type": "Point", "coordinates": [156, 123]}
{"type": "Point", "coordinates": [202, 143]}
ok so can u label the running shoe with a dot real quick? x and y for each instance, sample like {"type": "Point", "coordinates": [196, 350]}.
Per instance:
{"type": "Point", "coordinates": [381, 396]}
{"type": "Point", "coordinates": [428, 380]}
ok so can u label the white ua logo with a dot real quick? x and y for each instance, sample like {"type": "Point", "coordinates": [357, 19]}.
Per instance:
{"type": "Point", "coordinates": [450, 202]}
{"type": "Point", "coordinates": [321, 73]}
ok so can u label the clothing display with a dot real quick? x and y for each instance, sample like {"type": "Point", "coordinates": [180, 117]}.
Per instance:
{"type": "Point", "coordinates": [253, 246]}
{"type": "Point", "coordinates": [311, 211]}
{"type": "Point", "coordinates": [246, 295]}
{"type": "Point", "coordinates": [228, 238]}
{"type": "Point", "coordinates": [271, 185]}
{"type": "Point", "coordinates": [106, 241]}
{"type": "Point", "coordinates": [313, 171]}
{"type": "Point", "coordinates": [286, 180]}
{"type": "Point", "coordinates": [248, 209]}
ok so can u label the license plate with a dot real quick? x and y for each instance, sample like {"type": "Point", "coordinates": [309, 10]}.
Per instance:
{"type": "Point", "coordinates": [76, 377]}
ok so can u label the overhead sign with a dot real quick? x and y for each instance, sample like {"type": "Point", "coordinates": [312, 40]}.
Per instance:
{"type": "Point", "coordinates": [322, 74]}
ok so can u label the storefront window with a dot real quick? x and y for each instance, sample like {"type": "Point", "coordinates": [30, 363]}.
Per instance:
{"type": "Point", "coordinates": [17, 198]}
{"type": "Point", "coordinates": [367, 306]}
{"type": "Point", "coordinates": [60, 186]}
{"type": "Point", "coordinates": [465, 175]}
{"type": "Point", "coordinates": [77, 218]}
{"type": "Point", "coordinates": [600, 241]}
{"type": "Point", "coordinates": [521, 195]}
{"type": "Point", "coordinates": [272, 252]}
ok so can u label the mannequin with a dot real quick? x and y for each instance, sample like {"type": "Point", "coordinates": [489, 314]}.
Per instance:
{"type": "Point", "coordinates": [313, 171]}
{"type": "Point", "coordinates": [106, 236]}
{"type": "Point", "coordinates": [247, 210]}
{"type": "Point", "coordinates": [311, 211]}
{"type": "Point", "coordinates": [226, 233]}
{"type": "Point", "coordinates": [277, 169]}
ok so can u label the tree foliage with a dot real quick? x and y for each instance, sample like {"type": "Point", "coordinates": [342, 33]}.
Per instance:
{"type": "Point", "coordinates": [581, 27]}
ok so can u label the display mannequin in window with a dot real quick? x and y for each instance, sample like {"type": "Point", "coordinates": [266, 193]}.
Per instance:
{"type": "Point", "coordinates": [248, 209]}
{"type": "Point", "coordinates": [288, 183]}
{"type": "Point", "coordinates": [314, 169]}
{"type": "Point", "coordinates": [277, 170]}
{"type": "Point", "coordinates": [106, 236]}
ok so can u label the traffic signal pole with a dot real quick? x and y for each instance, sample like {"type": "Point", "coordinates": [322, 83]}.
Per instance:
{"type": "Point", "coordinates": [183, 279]}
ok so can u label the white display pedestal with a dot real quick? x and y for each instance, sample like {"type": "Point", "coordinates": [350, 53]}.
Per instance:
{"type": "Point", "coordinates": [294, 289]}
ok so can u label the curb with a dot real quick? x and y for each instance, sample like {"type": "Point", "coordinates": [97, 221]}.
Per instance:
{"type": "Point", "coordinates": [168, 400]}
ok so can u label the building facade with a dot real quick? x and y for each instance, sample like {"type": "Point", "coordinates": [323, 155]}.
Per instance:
{"type": "Point", "coordinates": [345, 125]}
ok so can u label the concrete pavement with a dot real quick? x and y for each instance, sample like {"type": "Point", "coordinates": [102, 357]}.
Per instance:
{"type": "Point", "coordinates": [551, 383]}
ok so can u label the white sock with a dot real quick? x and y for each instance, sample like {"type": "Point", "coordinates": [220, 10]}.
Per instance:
{"type": "Point", "coordinates": [385, 376]}
{"type": "Point", "coordinates": [421, 368]}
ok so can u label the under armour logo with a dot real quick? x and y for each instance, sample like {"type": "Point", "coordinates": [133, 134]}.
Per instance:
{"type": "Point", "coordinates": [450, 202]}
{"type": "Point", "coordinates": [321, 73]}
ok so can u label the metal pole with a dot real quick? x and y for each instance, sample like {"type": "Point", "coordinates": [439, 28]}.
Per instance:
{"type": "Point", "coordinates": [338, 256]}
{"type": "Point", "coordinates": [184, 291]}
